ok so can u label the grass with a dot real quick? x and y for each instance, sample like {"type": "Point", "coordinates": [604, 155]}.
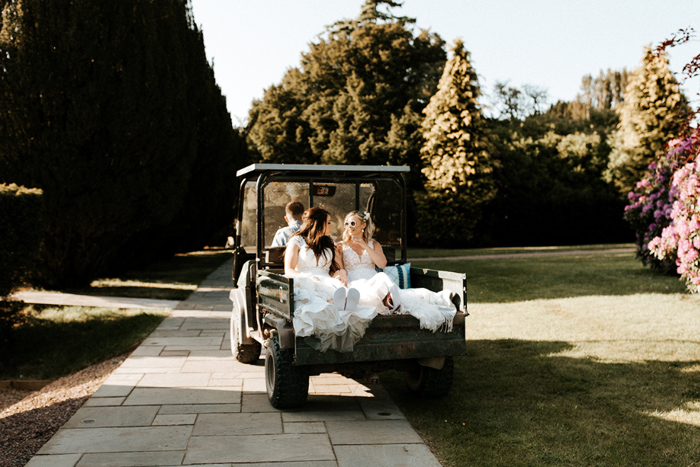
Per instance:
{"type": "Point", "coordinates": [571, 360]}
{"type": "Point", "coordinates": [520, 279]}
{"type": "Point", "coordinates": [55, 341]}
{"type": "Point", "coordinates": [417, 253]}
{"type": "Point", "coordinates": [172, 279]}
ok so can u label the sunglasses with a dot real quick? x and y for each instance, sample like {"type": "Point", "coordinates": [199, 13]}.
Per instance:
{"type": "Point", "coordinates": [350, 224]}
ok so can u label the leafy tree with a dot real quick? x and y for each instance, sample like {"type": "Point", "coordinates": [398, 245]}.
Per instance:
{"type": "Point", "coordinates": [111, 109]}
{"type": "Point", "coordinates": [356, 97]}
{"type": "Point", "coordinates": [457, 155]}
{"type": "Point", "coordinates": [509, 101]}
{"type": "Point", "coordinates": [550, 186]}
{"type": "Point", "coordinates": [653, 112]}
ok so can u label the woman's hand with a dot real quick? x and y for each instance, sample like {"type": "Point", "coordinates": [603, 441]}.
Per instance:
{"type": "Point", "coordinates": [360, 241]}
{"type": "Point", "coordinates": [342, 276]}
{"type": "Point", "coordinates": [376, 253]}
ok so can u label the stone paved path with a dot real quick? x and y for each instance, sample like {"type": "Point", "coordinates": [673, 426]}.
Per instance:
{"type": "Point", "coordinates": [182, 399]}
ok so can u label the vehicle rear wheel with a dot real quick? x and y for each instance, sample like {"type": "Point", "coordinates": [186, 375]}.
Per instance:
{"type": "Point", "coordinates": [287, 384]}
{"type": "Point", "coordinates": [428, 382]}
{"type": "Point", "coordinates": [244, 353]}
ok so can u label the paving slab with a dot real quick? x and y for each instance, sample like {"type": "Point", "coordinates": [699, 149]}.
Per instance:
{"type": "Point", "coordinates": [147, 350]}
{"type": "Point", "coordinates": [380, 409]}
{"type": "Point", "coordinates": [305, 427]}
{"type": "Point", "coordinates": [179, 419]}
{"type": "Point", "coordinates": [183, 341]}
{"type": "Point", "coordinates": [204, 395]}
{"type": "Point", "coordinates": [387, 455]}
{"type": "Point", "coordinates": [94, 417]}
{"type": "Point", "coordinates": [289, 464]}
{"type": "Point", "coordinates": [104, 401]}
{"type": "Point", "coordinates": [130, 439]}
{"type": "Point", "coordinates": [132, 459]}
{"type": "Point", "coordinates": [238, 424]}
{"type": "Point", "coordinates": [59, 460]}
{"type": "Point", "coordinates": [256, 402]}
{"type": "Point", "coordinates": [372, 432]}
{"type": "Point", "coordinates": [115, 389]}
{"type": "Point", "coordinates": [175, 380]}
{"type": "Point", "coordinates": [153, 362]}
{"type": "Point", "coordinates": [259, 448]}
{"type": "Point", "coordinates": [199, 408]}
{"type": "Point", "coordinates": [182, 399]}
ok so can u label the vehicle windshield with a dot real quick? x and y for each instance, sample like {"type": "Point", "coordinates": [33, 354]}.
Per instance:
{"type": "Point", "coordinates": [383, 199]}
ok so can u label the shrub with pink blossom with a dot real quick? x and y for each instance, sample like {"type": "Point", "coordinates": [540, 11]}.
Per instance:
{"type": "Point", "coordinates": [680, 240]}
{"type": "Point", "coordinates": [649, 211]}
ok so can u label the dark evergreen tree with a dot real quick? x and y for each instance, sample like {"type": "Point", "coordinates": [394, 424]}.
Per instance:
{"type": "Point", "coordinates": [654, 112]}
{"type": "Point", "coordinates": [101, 110]}
{"type": "Point", "coordinates": [457, 156]}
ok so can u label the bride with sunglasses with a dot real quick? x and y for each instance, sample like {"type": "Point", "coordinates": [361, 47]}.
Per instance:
{"type": "Point", "coordinates": [358, 256]}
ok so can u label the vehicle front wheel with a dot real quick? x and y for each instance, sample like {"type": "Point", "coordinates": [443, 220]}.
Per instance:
{"type": "Point", "coordinates": [287, 384]}
{"type": "Point", "coordinates": [428, 382]}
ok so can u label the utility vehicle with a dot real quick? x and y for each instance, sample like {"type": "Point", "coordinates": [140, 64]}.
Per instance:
{"type": "Point", "coordinates": [263, 298]}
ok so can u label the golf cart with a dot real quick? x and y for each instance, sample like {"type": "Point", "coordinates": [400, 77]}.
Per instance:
{"type": "Point", "coordinates": [263, 298]}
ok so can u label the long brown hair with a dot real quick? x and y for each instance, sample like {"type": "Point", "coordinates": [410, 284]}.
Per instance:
{"type": "Point", "coordinates": [313, 226]}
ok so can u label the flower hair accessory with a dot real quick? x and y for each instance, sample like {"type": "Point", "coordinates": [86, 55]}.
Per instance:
{"type": "Point", "coordinates": [365, 214]}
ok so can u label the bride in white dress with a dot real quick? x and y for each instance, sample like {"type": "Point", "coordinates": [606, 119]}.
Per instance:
{"type": "Point", "coordinates": [360, 254]}
{"type": "Point", "coordinates": [323, 308]}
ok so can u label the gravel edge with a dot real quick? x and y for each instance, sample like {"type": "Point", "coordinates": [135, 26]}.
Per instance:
{"type": "Point", "coordinates": [28, 419]}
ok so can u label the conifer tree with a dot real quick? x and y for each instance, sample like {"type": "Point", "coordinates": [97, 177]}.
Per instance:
{"type": "Point", "coordinates": [653, 112]}
{"type": "Point", "coordinates": [458, 164]}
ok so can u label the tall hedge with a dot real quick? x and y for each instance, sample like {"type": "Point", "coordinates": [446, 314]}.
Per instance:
{"type": "Point", "coordinates": [112, 109]}
{"type": "Point", "coordinates": [21, 211]}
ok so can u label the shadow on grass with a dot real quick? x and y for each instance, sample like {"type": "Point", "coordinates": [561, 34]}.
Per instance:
{"type": "Point", "coordinates": [50, 348]}
{"type": "Point", "coordinates": [516, 403]}
{"type": "Point", "coordinates": [172, 279]}
{"type": "Point", "coordinates": [144, 291]}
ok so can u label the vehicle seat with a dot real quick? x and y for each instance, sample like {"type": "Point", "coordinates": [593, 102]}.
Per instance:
{"type": "Point", "coordinates": [274, 258]}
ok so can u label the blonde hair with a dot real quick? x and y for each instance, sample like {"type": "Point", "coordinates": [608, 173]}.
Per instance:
{"type": "Point", "coordinates": [369, 227]}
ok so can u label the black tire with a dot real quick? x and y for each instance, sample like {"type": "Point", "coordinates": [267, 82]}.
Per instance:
{"type": "Point", "coordinates": [287, 384]}
{"type": "Point", "coordinates": [428, 382]}
{"type": "Point", "coordinates": [244, 353]}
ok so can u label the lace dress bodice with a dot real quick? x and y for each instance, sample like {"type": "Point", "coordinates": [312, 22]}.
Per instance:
{"type": "Point", "coordinates": [358, 266]}
{"type": "Point", "coordinates": [308, 262]}
{"type": "Point", "coordinates": [433, 310]}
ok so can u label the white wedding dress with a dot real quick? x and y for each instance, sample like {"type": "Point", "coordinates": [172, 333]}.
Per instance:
{"type": "Point", "coordinates": [315, 315]}
{"type": "Point", "coordinates": [434, 310]}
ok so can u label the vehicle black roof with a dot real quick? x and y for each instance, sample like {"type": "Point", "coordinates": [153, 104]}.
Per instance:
{"type": "Point", "coordinates": [368, 169]}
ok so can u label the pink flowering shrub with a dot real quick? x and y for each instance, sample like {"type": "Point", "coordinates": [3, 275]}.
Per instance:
{"type": "Point", "coordinates": [649, 211]}
{"type": "Point", "coordinates": [680, 240]}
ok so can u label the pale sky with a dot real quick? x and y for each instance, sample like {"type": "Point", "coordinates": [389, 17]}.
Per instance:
{"type": "Point", "coordinates": [546, 43]}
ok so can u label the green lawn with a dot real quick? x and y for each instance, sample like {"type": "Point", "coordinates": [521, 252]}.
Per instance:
{"type": "Point", "coordinates": [57, 341]}
{"type": "Point", "coordinates": [416, 253]}
{"type": "Point", "coordinates": [171, 279]}
{"type": "Point", "coordinates": [571, 360]}
{"type": "Point", "coordinates": [519, 279]}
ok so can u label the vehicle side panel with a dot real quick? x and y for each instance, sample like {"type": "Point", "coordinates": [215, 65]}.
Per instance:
{"type": "Point", "coordinates": [392, 337]}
